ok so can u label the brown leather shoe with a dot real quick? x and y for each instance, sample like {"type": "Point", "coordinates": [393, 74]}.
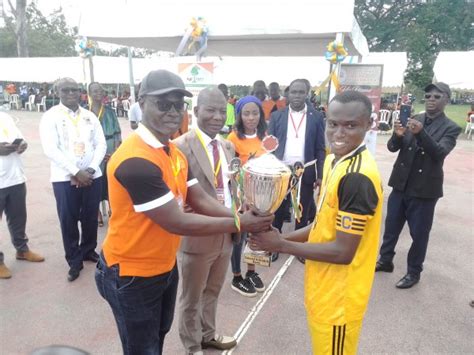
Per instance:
{"type": "Point", "coordinates": [220, 342]}
{"type": "Point", "coordinates": [5, 272]}
{"type": "Point", "coordinates": [29, 256]}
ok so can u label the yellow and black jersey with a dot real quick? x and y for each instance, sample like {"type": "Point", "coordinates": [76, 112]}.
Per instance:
{"type": "Point", "coordinates": [350, 201]}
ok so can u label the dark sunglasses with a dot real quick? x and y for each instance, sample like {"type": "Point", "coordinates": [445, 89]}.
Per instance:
{"type": "Point", "coordinates": [434, 96]}
{"type": "Point", "coordinates": [69, 90]}
{"type": "Point", "coordinates": [166, 106]}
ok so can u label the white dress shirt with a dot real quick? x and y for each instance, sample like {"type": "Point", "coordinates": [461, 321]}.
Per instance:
{"type": "Point", "coordinates": [135, 113]}
{"type": "Point", "coordinates": [224, 164]}
{"type": "Point", "coordinates": [72, 147]}
{"type": "Point", "coordinates": [295, 138]}
{"type": "Point", "coordinates": [11, 167]}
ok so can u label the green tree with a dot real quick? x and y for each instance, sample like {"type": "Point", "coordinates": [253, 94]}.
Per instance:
{"type": "Point", "coordinates": [422, 29]}
{"type": "Point", "coordinates": [45, 36]}
{"type": "Point", "coordinates": [123, 52]}
{"type": "Point", "coordinates": [18, 28]}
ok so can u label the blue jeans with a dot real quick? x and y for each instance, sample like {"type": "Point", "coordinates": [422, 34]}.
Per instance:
{"type": "Point", "coordinates": [237, 254]}
{"type": "Point", "coordinates": [143, 307]}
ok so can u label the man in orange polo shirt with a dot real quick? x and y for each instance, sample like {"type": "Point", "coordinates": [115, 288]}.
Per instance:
{"type": "Point", "coordinates": [275, 102]}
{"type": "Point", "coordinates": [149, 183]}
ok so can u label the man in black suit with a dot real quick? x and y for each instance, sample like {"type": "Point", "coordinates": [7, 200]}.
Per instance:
{"type": "Point", "coordinates": [417, 180]}
{"type": "Point", "coordinates": [300, 132]}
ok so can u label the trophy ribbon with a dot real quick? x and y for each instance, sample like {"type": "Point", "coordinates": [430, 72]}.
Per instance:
{"type": "Point", "coordinates": [236, 178]}
{"type": "Point", "coordinates": [295, 188]}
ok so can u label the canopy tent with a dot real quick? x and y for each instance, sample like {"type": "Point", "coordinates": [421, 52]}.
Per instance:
{"type": "Point", "coordinates": [228, 70]}
{"type": "Point", "coordinates": [246, 28]}
{"type": "Point", "coordinates": [455, 69]}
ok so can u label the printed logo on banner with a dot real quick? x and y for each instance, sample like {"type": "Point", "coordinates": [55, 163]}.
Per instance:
{"type": "Point", "coordinates": [196, 74]}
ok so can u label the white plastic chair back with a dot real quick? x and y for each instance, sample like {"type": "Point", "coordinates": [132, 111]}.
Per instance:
{"type": "Point", "coordinates": [384, 116]}
{"type": "Point", "coordinates": [395, 115]}
{"type": "Point", "coordinates": [14, 101]}
{"type": "Point", "coordinates": [42, 104]}
{"type": "Point", "coordinates": [471, 126]}
{"type": "Point", "coordinates": [31, 102]}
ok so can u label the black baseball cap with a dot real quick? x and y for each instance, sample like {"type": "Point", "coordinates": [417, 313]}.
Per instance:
{"type": "Point", "coordinates": [441, 87]}
{"type": "Point", "coordinates": [160, 82]}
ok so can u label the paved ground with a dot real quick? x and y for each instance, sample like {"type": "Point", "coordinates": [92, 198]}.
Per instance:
{"type": "Point", "coordinates": [39, 307]}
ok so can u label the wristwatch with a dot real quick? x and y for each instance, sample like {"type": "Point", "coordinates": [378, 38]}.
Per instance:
{"type": "Point", "coordinates": [90, 171]}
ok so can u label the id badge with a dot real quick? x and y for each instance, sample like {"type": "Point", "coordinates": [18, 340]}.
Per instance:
{"type": "Point", "coordinates": [220, 196]}
{"type": "Point", "coordinates": [79, 149]}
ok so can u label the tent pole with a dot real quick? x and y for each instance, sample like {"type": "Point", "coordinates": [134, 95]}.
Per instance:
{"type": "Point", "coordinates": [91, 69]}
{"type": "Point", "coordinates": [130, 73]}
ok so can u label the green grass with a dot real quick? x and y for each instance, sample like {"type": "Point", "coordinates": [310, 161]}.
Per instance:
{"type": "Point", "coordinates": [457, 113]}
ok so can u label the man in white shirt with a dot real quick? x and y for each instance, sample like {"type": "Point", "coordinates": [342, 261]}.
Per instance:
{"type": "Point", "coordinates": [135, 115]}
{"type": "Point", "coordinates": [73, 140]}
{"type": "Point", "coordinates": [300, 132]}
{"type": "Point", "coordinates": [13, 191]}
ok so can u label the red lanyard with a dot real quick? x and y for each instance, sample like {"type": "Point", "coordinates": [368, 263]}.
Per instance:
{"type": "Point", "coordinates": [299, 125]}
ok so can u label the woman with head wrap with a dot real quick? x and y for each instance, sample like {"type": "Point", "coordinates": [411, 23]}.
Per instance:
{"type": "Point", "coordinates": [247, 135]}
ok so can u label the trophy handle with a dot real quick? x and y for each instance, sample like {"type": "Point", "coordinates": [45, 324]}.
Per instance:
{"type": "Point", "coordinates": [235, 177]}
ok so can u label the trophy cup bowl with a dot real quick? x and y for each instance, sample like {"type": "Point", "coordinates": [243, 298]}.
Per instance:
{"type": "Point", "coordinates": [265, 184]}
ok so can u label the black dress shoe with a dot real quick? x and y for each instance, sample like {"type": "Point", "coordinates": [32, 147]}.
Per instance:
{"type": "Point", "coordinates": [407, 281]}
{"type": "Point", "coordinates": [74, 273]}
{"type": "Point", "coordinates": [93, 256]}
{"type": "Point", "coordinates": [275, 257]}
{"type": "Point", "coordinates": [301, 259]}
{"type": "Point", "coordinates": [384, 266]}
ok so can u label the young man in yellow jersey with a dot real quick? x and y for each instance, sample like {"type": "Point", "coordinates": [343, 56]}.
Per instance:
{"type": "Point", "coordinates": [340, 247]}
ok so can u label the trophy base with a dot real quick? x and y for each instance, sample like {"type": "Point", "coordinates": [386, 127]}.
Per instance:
{"type": "Point", "coordinates": [257, 257]}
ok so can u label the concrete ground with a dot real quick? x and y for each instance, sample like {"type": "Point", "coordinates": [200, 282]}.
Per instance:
{"type": "Point", "coordinates": [39, 307]}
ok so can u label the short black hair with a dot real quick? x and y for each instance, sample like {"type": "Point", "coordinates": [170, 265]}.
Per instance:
{"type": "Point", "coordinates": [259, 83]}
{"type": "Point", "coordinates": [304, 81]}
{"type": "Point", "coordinates": [348, 96]}
{"type": "Point", "coordinates": [273, 84]}
{"type": "Point", "coordinates": [222, 87]}
{"type": "Point", "coordinates": [261, 127]}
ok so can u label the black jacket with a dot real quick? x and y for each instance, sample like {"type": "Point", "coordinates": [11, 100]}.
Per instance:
{"type": "Point", "coordinates": [314, 148]}
{"type": "Point", "coordinates": [418, 170]}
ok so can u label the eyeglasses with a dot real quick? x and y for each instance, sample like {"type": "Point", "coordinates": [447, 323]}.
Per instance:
{"type": "Point", "coordinates": [165, 106]}
{"type": "Point", "coordinates": [434, 96]}
{"type": "Point", "coordinates": [69, 90]}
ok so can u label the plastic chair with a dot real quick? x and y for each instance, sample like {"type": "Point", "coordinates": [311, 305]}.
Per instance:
{"type": "Point", "coordinates": [384, 121]}
{"type": "Point", "coordinates": [42, 104]}
{"type": "Point", "coordinates": [31, 102]}
{"type": "Point", "coordinates": [126, 107]}
{"type": "Point", "coordinates": [395, 116]}
{"type": "Point", "coordinates": [471, 126]}
{"type": "Point", "coordinates": [15, 101]}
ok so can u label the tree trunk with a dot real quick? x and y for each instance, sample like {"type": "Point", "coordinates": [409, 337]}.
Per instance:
{"type": "Point", "coordinates": [20, 30]}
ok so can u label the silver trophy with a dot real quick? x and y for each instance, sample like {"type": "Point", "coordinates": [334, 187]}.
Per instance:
{"type": "Point", "coordinates": [265, 183]}
{"type": "Point", "coordinates": [262, 184]}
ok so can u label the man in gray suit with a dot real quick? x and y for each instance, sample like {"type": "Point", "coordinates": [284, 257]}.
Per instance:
{"type": "Point", "coordinates": [204, 262]}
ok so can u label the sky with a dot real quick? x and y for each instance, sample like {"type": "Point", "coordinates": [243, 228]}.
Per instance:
{"type": "Point", "coordinates": [72, 9]}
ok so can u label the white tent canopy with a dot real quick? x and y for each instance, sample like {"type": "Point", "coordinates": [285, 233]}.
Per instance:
{"type": "Point", "coordinates": [455, 69]}
{"type": "Point", "coordinates": [229, 70]}
{"type": "Point", "coordinates": [244, 28]}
